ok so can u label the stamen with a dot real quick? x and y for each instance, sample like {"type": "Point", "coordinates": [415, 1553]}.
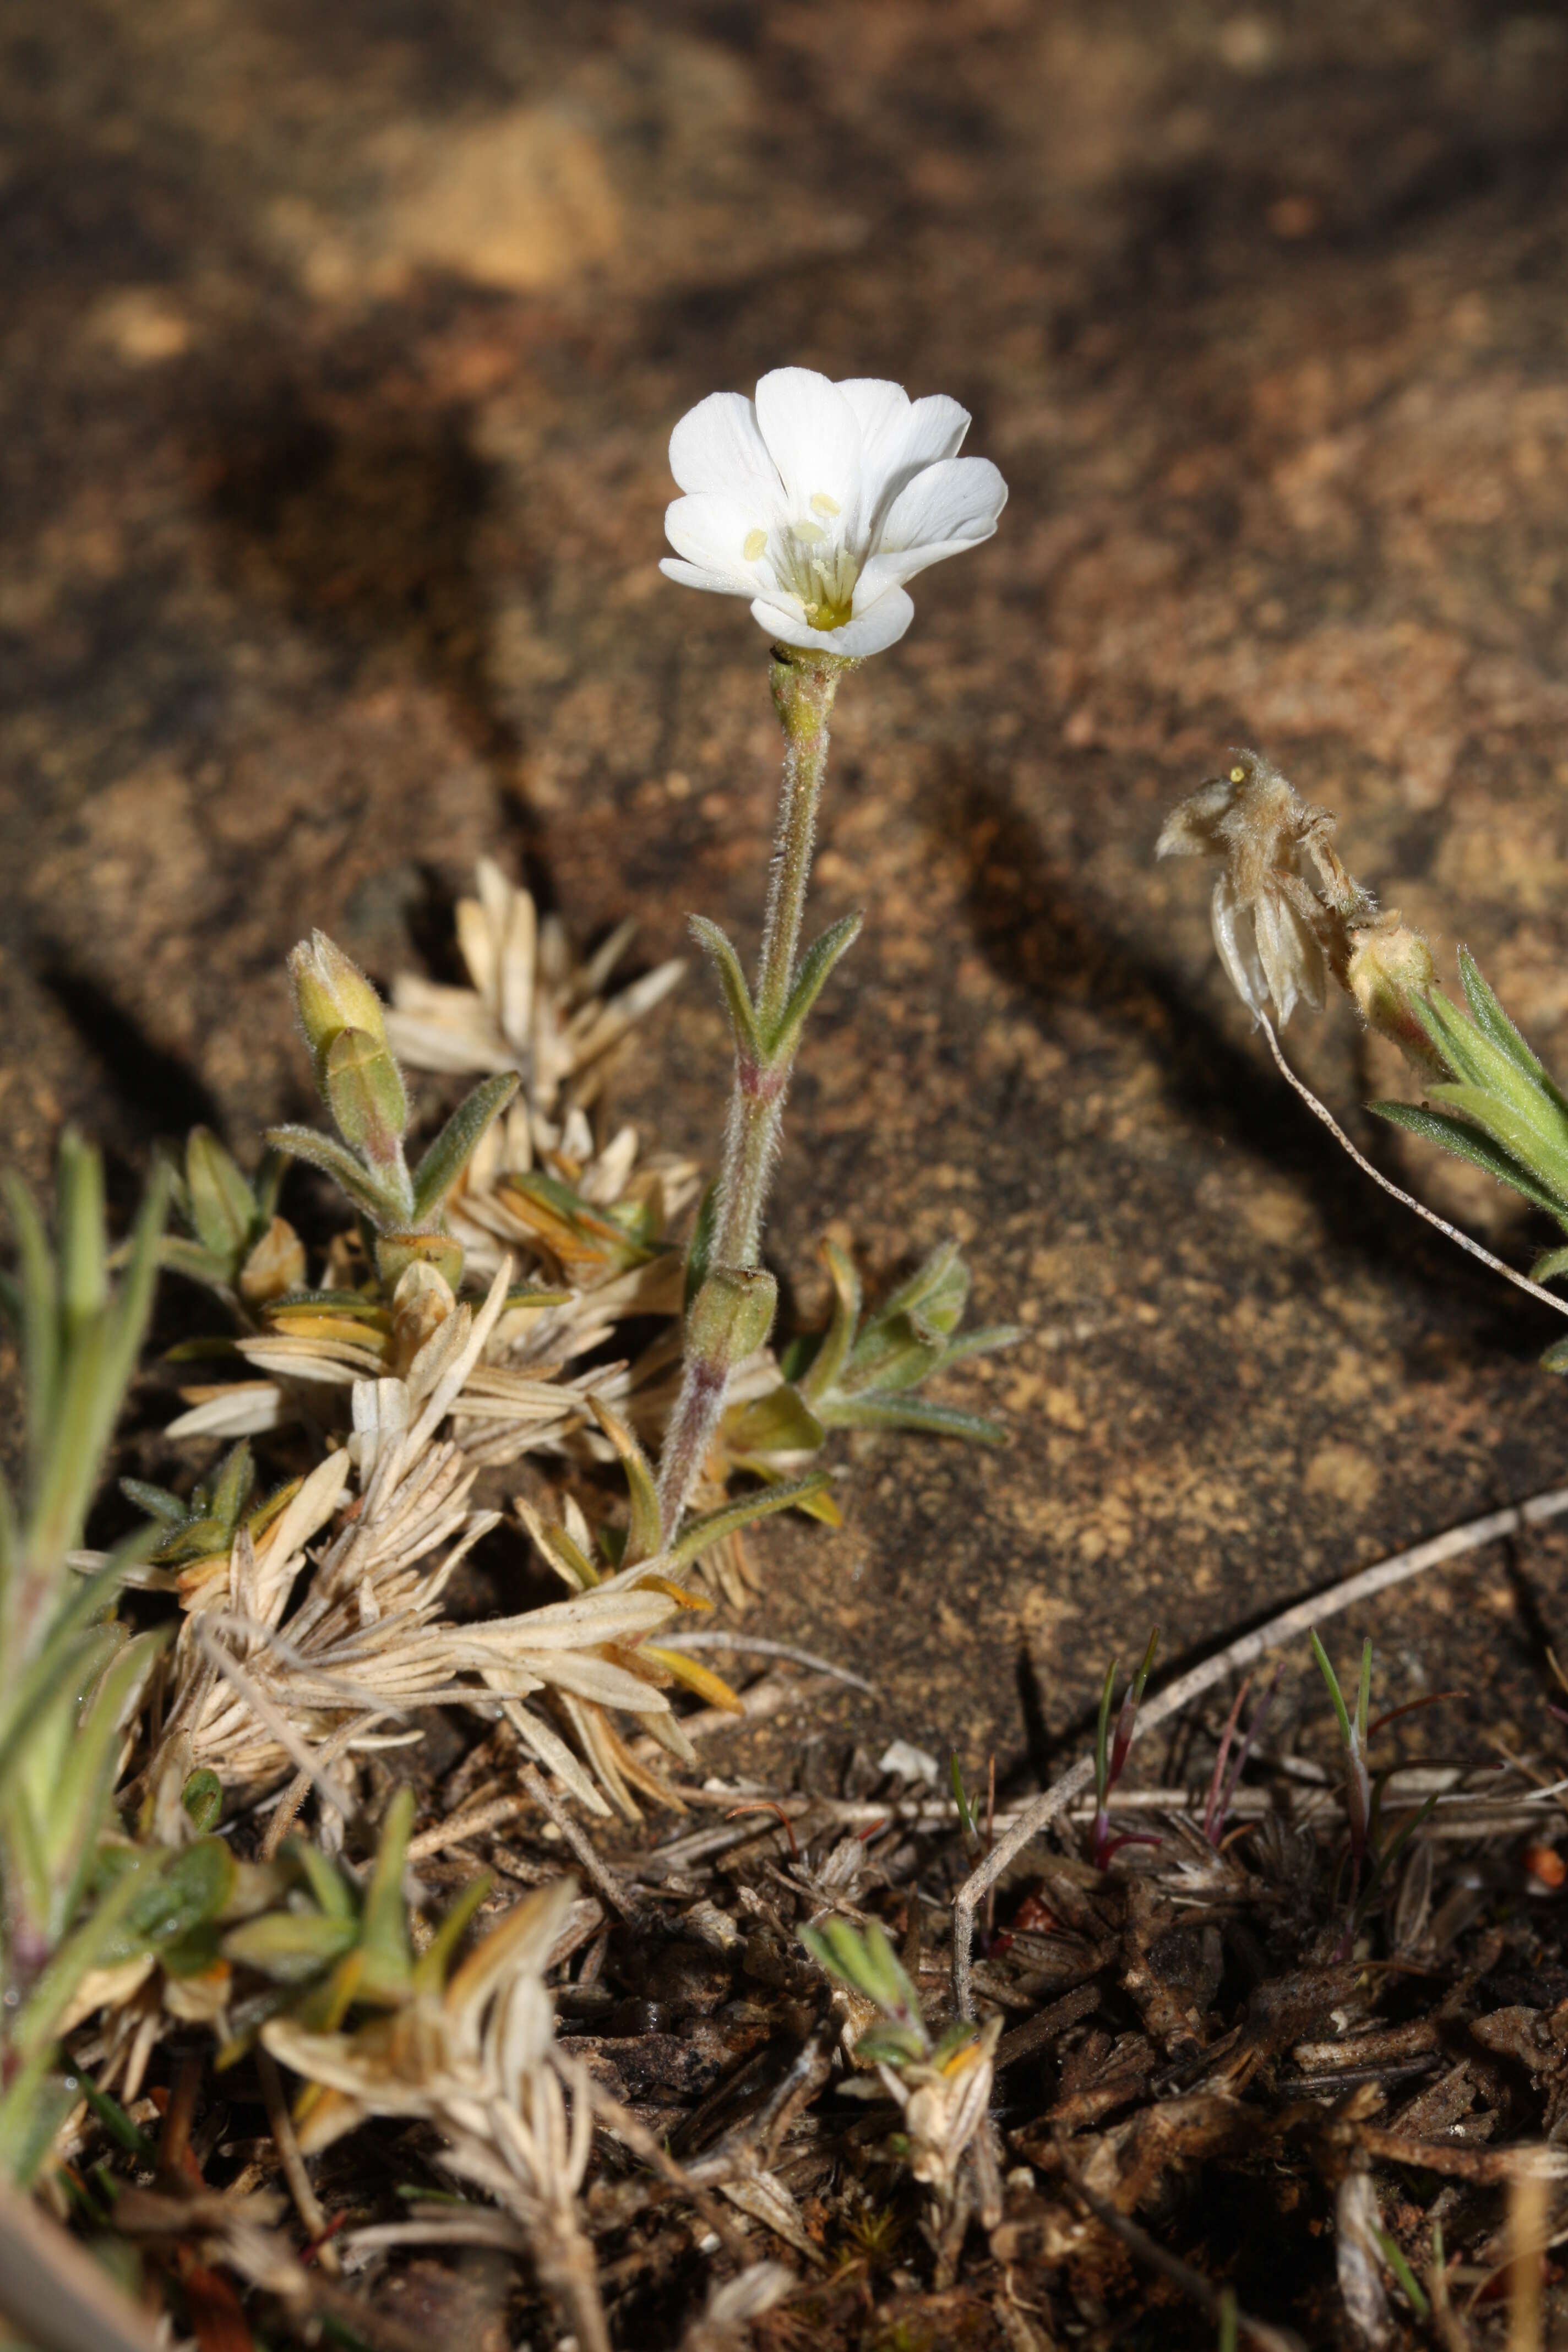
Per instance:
{"type": "Point", "coordinates": [752, 544]}
{"type": "Point", "coordinates": [823, 505]}
{"type": "Point", "coordinates": [811, 533]}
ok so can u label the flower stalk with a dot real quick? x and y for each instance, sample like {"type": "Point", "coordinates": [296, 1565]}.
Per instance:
{"type": "Point", "coordinates": [733, 1308]}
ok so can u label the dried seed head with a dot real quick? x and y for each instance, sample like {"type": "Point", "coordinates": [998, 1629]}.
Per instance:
{"type": "Point", "coordinates": [1277, 938]}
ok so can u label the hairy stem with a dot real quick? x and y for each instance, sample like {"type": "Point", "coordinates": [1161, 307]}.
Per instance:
{"type": "Point", "coordinates": [803, 688]}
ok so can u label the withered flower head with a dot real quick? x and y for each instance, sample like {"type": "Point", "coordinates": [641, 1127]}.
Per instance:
{"type": "Point", "coordinates": [1276, 937]}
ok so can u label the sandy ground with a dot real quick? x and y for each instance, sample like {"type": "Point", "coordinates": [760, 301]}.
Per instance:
{"type": "Point", "coordinates": [338, 356]}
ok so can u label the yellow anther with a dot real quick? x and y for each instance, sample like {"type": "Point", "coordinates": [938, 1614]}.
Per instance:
{"type": "Point", "coordinates": [811, 533]}
{"type": "Point", "coordinates": [752, 544]}
{"type": "Point", "coordinates": [823, 505]}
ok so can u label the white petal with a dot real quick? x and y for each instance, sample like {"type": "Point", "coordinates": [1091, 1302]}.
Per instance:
{"type": "Point", "coordinates": [951, 504]}
{"type": "Point", "coordinates": [812, 438]}
{"type": "Point", "coordinates": [869, 631]}
{"type": "Point", "coordinates": [712, 533]}
{"type": "Point", "coordinates": [717, 447]}
{"type": "Point", "coordinates": [902, 443]}
{"type": "Point", "coordinates": [690, 575]}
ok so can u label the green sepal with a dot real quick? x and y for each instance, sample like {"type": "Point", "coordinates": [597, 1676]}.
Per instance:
{"type": "Point", "coordinates": [444, 1162]}
{"type": "Point", "coordinates": [1549, 1266]}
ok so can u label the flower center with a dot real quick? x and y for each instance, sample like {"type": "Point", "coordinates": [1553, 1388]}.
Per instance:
{"type": "Point", "coordinates": [815, 567]}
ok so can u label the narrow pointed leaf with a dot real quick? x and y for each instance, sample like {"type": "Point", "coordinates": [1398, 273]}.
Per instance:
{"type": "Point", "coordinates": [1493, 1071]}
{"type": "Point", "coordinates": [816, 965]}
{"type": "Point", "coordinates": [644, 1534]}
{"type": "Point", "coordinates": [448, 1157]}
{"type": "Point", "coordinates": [699, 1533]}
{"type": "Point", "coordinates": [1545, 1156]}
{"type": "Point", "coordinates": [334, 1160]}
{"type": "Point", "coordinates": [1490, 1017]}
{"type": "Point", "coordinates": [696, 1677]}
{"type": "Point", "coordinates": [732, 980]}
{"type": "Point", "coordinates": [1468, 1142]}
{"type": "Point", "coordinates": [822, 1374]}
{"type": "Point", "coordinates": [1549, 1266]}
{"type": "Point", "coordinates": [222, 1205]}
{"type": "Point", "coordinates": [917, 1413]}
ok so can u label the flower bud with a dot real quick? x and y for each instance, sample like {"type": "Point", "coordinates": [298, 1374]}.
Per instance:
{"type": "Point", "coordinates": [1389, 965]}
{"type": "Point", "coordinates": [731, 1315]}
{"type": "Point", "coordinates": [332, 994]}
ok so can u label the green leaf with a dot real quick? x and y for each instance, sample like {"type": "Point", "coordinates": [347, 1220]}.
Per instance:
{"type": "Point", "coordinates": [383, 1921]}
{"type": "Point", "coordinates": [779, 1423]}
{"type": "Point", "coordinates": [983, 1342]}
{"type": "Point", "coordinates": [157, 1502]}
{"type": "Point", "coordinates": [1549, 1266]}
{"type": "Point", "coordinates": [1490, 1017]}
{"type": "Point", "coordinates": [921, 1414]}
{"type": "Point", "coordinates": [869, 1964]}
{"type": "Point", "coordinates": [201, 1798]}
{"type": "Point", "coordinates": [334, 1160]}
{"type": "Point", "coordinates": [828, 1363]}
{"type": "Point", "coordinates": [645, 1533]}
{"type": "Point", "coordinates": [1468, 1142]}
{"type": "Point", "coordinates": [1545, 1156]}
{"type": "Point", "coordinates": [732, 980]}
{"type": "Point", "coordinates": [1341, 1711]}
{"type": "Point", "coordinates": [816, 965]}
{"type": "Point", "coordinates": [1495, 1073]}
{"type": "Point", "coordinates": [448, 1157]}
{"type": "Point", "coordinates": [892, 2046]}
{"type": "Point", "coordinates": [430, 1968]}
{"type": "Point", "coordinates": [936, 1290]}
{"type": "Point", "coordinates": [698, 1534]}
{"type": "Point", "coordinates": [222, 1205]}
{"type": "Point", "coordinates": [289, 1947]}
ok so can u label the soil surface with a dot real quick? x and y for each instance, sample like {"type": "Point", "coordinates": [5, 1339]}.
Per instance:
{"type": "Point", "coordinates": [338, 358]}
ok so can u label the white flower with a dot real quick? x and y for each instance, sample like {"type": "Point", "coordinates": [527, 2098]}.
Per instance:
{"type": "Point", "coordinates": [818, 501]}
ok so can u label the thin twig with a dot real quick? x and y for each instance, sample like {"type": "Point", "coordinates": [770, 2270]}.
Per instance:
{"type": "Point", "coordinates": [619, 1898]}
{"type": "Point", "coordinates": [1289, 1626]}
{"type": "Point", "coordinates": [462, 1826]}
{"type": "Point", "coordinates": [281, 2123]}
{"type": "Point", "coordinates": [1320, 1111]}
{"type": "Point", "coordinates": [1191, 2283]}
